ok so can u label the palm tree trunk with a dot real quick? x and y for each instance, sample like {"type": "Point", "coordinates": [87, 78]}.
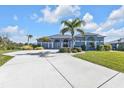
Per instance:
{"type": "Point", "coordinates": [72, 42]}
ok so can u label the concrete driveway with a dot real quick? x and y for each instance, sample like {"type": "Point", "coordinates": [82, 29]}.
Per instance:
{"type": "Point", "coordinates": [48, 69]}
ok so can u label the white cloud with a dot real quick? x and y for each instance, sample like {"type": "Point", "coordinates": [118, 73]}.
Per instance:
{"type": "Point", "coordinates": [10, 29]}
{"type": "Point", "coordinates": [87, 17]}
{"type": "Point", "coordinates": [52, 16]}
{"type": "Point", "coordinates": [15, 33]}
{"type": "Point", "coordinates": [106, 25]}
{"type": "Point", "coordinates": [90, 25]}
{"type": "Point", "coordinates": [117, 14]}
{"type": "Point", "coordinates": [34, 16]}
{"type": "Point", "coordinates": [15, 17]}
{"type": "Point", "coordinates": [107, 28]}
{"type": "Point", "coordinates": [113, 34]}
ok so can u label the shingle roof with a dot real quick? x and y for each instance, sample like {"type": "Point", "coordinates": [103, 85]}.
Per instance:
{"type": "Point", "coordinates": [90, 34]}
{"type": "Point", "coordinates": [69, 36]}
{"type": "Point", "coordinates": [121, 40]}
{"type": "Point", "coordinates": [60, 36]}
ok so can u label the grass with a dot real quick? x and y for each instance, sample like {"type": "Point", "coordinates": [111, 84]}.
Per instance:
{"type": "Point", "coordinates": [112, 60]}
{"type": "Point", "coordinates": [3, 58]}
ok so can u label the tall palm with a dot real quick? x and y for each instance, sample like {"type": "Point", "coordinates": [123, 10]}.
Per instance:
{"type": "Point", "coordinates": [72, 27]}
{"type": "Point", "coordinates": [29, 37]}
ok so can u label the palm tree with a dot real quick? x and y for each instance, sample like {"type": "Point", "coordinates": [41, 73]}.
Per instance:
{"type": "Point", "coordinates": [29, 37]}
{"type": "Point", "coordinates": [72, 27]}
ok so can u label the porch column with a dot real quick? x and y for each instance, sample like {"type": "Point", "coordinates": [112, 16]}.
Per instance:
{"type": "Point", "coordinates": [68, 43]}
{"type": "Point", "coordinates": [72, 44]}
{"type": "Point", "coordinates": [52, 44]}
{"type": "Point", "coordinates": [48, 44]}
{"type": "Point", "coordinates": [95, 44]}
{"type": "Point", "coordinates": [41, 43]}
{"type": "Point", "coordinates": [85, 44]}
{"type": "Point", "coordinates": [61, 41]}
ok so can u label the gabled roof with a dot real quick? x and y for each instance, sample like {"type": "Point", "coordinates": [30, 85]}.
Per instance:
{"type": "Point", "coordinates": [78, 35]}
{"type": "Point", "coordinates": [60, 36]}
{"type": "Point", "coordinates": [121, 40]}
{"type": "Point", "coordinates": [89, 34]}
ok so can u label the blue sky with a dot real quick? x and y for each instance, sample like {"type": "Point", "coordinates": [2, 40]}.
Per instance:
{"type": "Point", "coordinates": [18, 21]}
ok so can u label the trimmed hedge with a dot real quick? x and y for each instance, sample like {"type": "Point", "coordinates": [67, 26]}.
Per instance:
{"type": "Point", "coordinates": [69, 50]}
{"type": "Point", "coordinates": [27, 47]}
{"type": "Point", "coordinates": [105, 47]}
{"type": "Point", "coordinates": [38, 48]}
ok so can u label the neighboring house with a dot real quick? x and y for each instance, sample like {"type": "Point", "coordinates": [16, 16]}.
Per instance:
{"type": "Point", "coordinates": [89, 40]}
{"type": "Point", "coordinates": [116, 43]}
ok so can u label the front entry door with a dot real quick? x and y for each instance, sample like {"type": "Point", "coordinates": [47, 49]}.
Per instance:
{"type": "Point", "coordinates": [65, 43]}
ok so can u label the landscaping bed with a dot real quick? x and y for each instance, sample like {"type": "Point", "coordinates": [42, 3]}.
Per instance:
{"type": "Point", "coordinates": [113, 60]}
{"type": "Point", "coordinates": [70, 50]}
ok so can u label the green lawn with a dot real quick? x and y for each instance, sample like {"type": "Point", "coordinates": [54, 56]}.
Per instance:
{"type": "Point", "coordinates": [113, 60]}
{"type": "Point", "coordinates": [4, 59]}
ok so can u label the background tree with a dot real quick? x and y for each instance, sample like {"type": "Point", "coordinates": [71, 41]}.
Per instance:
{"type": "Point", "coordinates": [43, 39]}
{"type": "Point", "coordinates": [72, 27]}
{"type": "Point", "coordinates": [29, 37]}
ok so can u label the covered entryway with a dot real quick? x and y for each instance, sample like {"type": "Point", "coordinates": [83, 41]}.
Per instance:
{"type": "Point", "coordinates": [57, 44]}
{"type": "Point", "coordinates": [65, 43]}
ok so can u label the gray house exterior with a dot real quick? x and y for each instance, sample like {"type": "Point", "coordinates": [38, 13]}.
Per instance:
{"type": "Point", "coordinates": [116, 43]}
{"type": "Point", "coordinates": [89, 40]}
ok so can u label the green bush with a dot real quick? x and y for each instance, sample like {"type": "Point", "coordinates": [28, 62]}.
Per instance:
{"type": "Point", "coordinates": [69, 50]}
{"type": "Point", "coordinates": [74, 50]}
{"type": "Point", "coordinates": [34, 46]}
{"type": "Point", "coordinates": [121, 47]}
{"type": "Point", "coordinates": [27, 47]}
{"type": "Point", "coordinates": [101, 48]}
{"type": "Point", "coordinates": [78, 49]}
{"type": "Point", "coordinates": [107, 47]}
{"type": "Point", "coordinates": [63, 50]}
{"type": "Point", "coordinates": [38, 48]}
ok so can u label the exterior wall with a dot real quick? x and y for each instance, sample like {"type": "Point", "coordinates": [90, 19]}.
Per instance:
{"type": "Point", "coordinates": [114, 46]}
{"type": "Point", "coordinates": [87, 41]}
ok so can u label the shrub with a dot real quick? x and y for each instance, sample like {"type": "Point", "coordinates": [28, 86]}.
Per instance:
{"type": "Point", "coordinates": [38, 48]}
{"type": "Point", "coordinates": [63, 50]}
{"type": "Point", "coordinates": [78, 49]}
{"type": "Point", "coordinates": [107, 47]}
{"type": "Point", "coordinates": [27, 47]}
{"type": "Point", "coordinates": [74, 50]}
{"type": "Point", "coordinates": [101, 48]}
{"type": "Point", "coordinates": [69, 50]}
{"type": "Point", "coordinates": [121, 47]}
{"type": "Point", "coordinates": [35, 46]}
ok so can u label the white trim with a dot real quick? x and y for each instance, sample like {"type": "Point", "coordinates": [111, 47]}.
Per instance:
{"type": "Point", "coordinates": [52, 44]}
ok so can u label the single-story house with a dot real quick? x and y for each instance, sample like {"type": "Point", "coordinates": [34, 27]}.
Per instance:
{"type": "Point", "coordinates": [116, 43]}
{"type": "Point", "coordinates": [89, 40]}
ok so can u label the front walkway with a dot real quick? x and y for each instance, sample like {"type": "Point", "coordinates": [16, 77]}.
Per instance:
{"type": "Point", "coordinates": [50, 69]}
